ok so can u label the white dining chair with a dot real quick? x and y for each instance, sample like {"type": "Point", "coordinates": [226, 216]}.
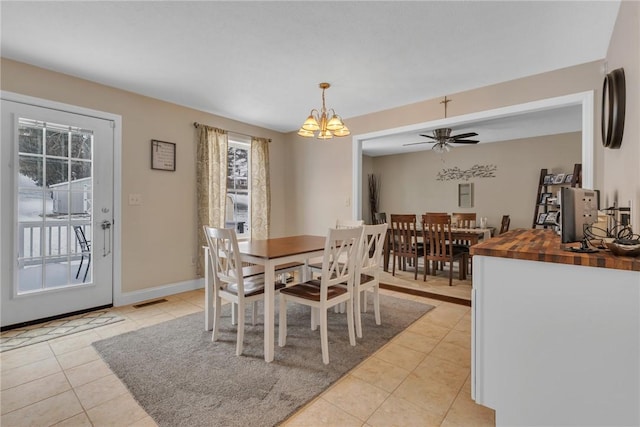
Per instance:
{"type": "Point", "coordinates": [231, 282]}
{"type": "Point", "coordinates": [367, 277]}
{"type": "Point", "coordinates": [316, 267]}
{"type": "Point", "coordinates": [338, 267]}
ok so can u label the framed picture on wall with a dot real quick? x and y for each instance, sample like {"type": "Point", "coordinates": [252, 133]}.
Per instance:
{"type": "Point", "coordinates": [552, 218]}
{"type": "Point", "coordinates": [544, 198]}
{"type": "Point", "coordinates": [163, 155]}
{"type": "Point", "coordinates": [559, 179]}
{"type": "Point", "coordinates": [541, 218]}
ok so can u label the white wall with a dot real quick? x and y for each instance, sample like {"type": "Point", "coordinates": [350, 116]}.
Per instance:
{"type": "Point", "coordinates": [622, 166]}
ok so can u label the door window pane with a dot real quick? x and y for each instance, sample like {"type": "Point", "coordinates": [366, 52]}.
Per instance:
{"type": "Point", "coordinates": [81, 146]}
{"type": "Point", "coordinates": [57, 143]}
{"type": "Point", "coordinates": [30, 172]}
{"type": "Point", "coordinates": [57, 172]}
{"type": "Point", "coordinates": [29, 139]}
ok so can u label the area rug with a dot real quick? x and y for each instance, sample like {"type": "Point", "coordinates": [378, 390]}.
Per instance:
{"type": "Point", "coordinates": [182, 378]}
{"type": "Point", "coordinates": [20, 337]}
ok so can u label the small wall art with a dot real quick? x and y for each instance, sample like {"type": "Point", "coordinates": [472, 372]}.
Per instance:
{"type": "Point", "coordinates": [163, 155]}
{"type": "Point", "coordinates": [476, 171]}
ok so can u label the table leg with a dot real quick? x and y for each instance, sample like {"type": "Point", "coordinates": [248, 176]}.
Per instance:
{"type": "Point", "coordinates": [269, 310]}
{"type": "Point", "coordinates": [208, 293]}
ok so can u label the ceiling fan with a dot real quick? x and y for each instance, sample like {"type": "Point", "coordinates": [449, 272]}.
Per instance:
{"type": "Point", "coordinates": [442, 137]}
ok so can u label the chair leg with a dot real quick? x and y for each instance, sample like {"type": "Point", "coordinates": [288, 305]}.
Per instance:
{"type": "Point", "coordinates": [234, 313]}
{"type": "Point", "coordinates": [254, 313]}
{"type": "Point", "coordinates": [415, 268]}
{"type": "Point", "coordinates": [393, 263]}
{"type": "Point", "coordinates": [324, 341]}
{"type": "Point", "coordinates": [216, 318]}
{"type": "Point", "coordinates": [352, 335]}
{"type": "Point", "coordinates": [357, 312]}
{"type": "Point", "coordinates": [282, 327]}
{"type": "Point", "coordinates": [80, 266]}
{"type": "Point", "coordinates": [240, 334]}
{"type": "Point", "coordinates": [451, 272]}
{"type": "Point", "coordinates": [87, 270]}
{"type": "Point", "coordinates": [376, 304]}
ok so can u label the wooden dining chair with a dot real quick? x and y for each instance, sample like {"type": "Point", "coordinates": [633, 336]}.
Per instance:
{"type": "Point", "coordinates": [436, 230]}
{"type": "Point", "coordinates": [341, 250]}
{"type": "Point", "coordinates": [231, 281]}
{"type": "Point", "coordinates": [463, 220]}
{"type": "Point", "coordinates": [380, 218]}
{"type": "Point", "coordinates": [367, 275]}
{"type": "Point", "coordinates": [504, 225]}
{"type": "Point", "coordinates": [404, 242]}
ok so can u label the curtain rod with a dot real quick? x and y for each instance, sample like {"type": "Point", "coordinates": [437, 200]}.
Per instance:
{"type": "Point", "coordinates": [196, 125]}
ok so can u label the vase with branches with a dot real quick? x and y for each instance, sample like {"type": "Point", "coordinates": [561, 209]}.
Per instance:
{"type": "Point", "coordinates": [374, 195]}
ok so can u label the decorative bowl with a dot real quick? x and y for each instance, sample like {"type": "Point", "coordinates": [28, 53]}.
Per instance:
{"type": "Point", "coordinates": [626, 248]}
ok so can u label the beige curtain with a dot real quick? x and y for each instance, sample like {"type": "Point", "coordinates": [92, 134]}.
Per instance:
{"type": "Point", "coordinates": [260, 189]}
{"type": "Point", "coordinates": [211, 183]}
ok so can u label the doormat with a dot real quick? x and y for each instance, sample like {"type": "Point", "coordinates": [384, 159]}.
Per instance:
{"type": "Point", "coordinates": [33, 334]}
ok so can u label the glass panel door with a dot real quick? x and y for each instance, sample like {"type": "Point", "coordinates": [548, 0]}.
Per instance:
{"type": "Point", "coordinates": [56, 212]}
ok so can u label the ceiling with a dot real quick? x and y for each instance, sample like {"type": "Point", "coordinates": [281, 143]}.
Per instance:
{"type": "Point", "coordinates": [261, 62]}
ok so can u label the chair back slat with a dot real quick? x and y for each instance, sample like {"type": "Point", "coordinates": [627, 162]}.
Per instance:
{"type": "Point", "coordinates": [340, 252]}
{"type": "Point", "coordinates": [436, 230]}
{"type": "Point", "coordinates": [403, 228]}
{"type": "Point", "coordinates": [225, 256]}
{"type": "Point", "coordinates": [372, 245]}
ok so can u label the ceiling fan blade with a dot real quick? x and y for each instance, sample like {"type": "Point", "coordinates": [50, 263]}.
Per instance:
{"type": "Point", "coordinates": [464, 135]}
{"type": "Point", "coordinates": [464, 141]}
{"type": "Point", "coordinates": [416, 143]}
{"type": "Point", "coordinates": [428, 136]}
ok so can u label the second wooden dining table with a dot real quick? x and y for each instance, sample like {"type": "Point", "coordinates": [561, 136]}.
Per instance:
{"type": "Point", "coordinates": [268, 253]}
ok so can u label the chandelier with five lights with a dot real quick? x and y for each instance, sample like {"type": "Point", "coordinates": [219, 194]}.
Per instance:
{"type": "Point", "coordinates": [323, 124]}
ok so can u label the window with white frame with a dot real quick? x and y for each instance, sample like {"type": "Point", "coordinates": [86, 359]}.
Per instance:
{"type": "Point", "coordinates": [238, 213]}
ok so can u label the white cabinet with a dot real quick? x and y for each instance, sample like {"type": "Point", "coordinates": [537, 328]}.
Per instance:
{"type": "Point", "coordinates": [556, 344]}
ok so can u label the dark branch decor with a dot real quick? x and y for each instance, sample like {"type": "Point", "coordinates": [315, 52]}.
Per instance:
{"type": "Point", "coordinates": [476, 171]}
{"type": "Point", "coordinates": [374, 195]}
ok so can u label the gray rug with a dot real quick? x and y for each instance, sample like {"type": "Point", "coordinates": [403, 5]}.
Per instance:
{"type": "Point", "coordinates": [182, 378]}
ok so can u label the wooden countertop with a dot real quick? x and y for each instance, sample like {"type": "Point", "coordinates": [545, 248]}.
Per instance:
{"type": "Point", "coordinates": [544, 245]}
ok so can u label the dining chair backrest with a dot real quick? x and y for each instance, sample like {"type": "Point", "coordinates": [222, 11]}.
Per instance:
{"type": "Point", "coordinates": [403, 227]}
{"type": "Point", "coordinates": [436, 233]}
{"type": "Point", "coordinates": [504, 226]}
{"type": "Point", "coordinates": [225, 256]}
{"type": "Point", "coordinates": [341, 249]}
{"type": "Point", "coordinates": [349, 223]}
{"type": "Point", "coordinates": [380, 218]}
{"type": "Point", "coordinates": [370, 257]}
{"type": "Point", "coordinates": [464, 220]}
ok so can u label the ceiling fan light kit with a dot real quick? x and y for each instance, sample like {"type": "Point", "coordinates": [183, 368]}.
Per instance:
{"type": "Point", "coordinates": [442, 137]}
{"type": "Point", "coordinates": [326, 122]}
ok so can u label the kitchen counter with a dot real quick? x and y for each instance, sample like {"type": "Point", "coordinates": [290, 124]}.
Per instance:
{"type": "Point", "coordinates": [544, 245]}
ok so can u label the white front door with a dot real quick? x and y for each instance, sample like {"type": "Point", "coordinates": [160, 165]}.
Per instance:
{"type": "Point", "coordinates": [56, 212]}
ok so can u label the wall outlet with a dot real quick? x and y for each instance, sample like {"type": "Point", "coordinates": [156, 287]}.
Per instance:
{"type": "Point", "coordinates": [135, 199]}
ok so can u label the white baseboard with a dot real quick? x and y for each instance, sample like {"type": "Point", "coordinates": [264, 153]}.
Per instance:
{"type": "Point", "coordinates": [157, 292]}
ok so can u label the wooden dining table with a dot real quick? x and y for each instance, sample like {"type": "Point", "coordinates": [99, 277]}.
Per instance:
{"type": "Point", "coordinates": [268, 253]}
{"type": "Point", "coordinates": [472, 235]}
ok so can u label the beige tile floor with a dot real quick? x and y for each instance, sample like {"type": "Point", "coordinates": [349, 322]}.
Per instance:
{"type": "Point", "coordinates": [420, 378]}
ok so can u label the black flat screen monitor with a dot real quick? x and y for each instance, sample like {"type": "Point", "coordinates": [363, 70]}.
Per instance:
{"type": "Point", "coordinates": [578, 210]}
